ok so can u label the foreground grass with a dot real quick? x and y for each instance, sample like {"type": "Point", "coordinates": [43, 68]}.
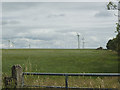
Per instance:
{"type": "Point", "coordinates": [73, 81]}
{"type": "Point", "coordinates": [80, 81]}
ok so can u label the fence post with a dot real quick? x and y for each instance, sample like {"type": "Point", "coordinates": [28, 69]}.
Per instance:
{"type": "Point", "coordinates": [66, 82]}
{"type": "Point", "coordinates": [17, 75]}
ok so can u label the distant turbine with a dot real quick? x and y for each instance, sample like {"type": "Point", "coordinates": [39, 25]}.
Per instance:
{"type": "Point", "coordinates": [29, 45]}
{"type": "Point", "coordinates": [13, 44]}
{"type": "Point", "coordinates": [83, 40]}
{"type": "Point", "coordinates": [78, 40]}
{"type": "Point", "coordinates": [9, 44]}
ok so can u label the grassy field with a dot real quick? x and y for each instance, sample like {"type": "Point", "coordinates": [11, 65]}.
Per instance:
{"type": "Point", "coordinates": [63, 61]}
{"type": "Point", "coordinates": [60, 61]}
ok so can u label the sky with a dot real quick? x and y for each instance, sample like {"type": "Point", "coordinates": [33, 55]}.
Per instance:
{"type": "Point", "coordinates": [56, 24]}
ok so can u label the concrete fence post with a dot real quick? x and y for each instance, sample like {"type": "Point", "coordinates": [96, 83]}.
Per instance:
{"type": "Point", "coordinates": [17, 75]}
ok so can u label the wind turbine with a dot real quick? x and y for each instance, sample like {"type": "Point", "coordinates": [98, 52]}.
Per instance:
{"type": "Point", "coordinates": [29, 45]}
{"type": "Point", "coordinates": [83, 42]}
{"type": "Point", "coordinates": [78, 36]}
{"type": "Point", "coordinates": [27, 41]}
{"type": "Point", "coordinates": [8, 43]}
{"type": "Point", "coordinates": [13, 44]}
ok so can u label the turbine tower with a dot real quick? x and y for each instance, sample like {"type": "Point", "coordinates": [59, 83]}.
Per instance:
{"type": "Point", "coordinates": [29, 45]}
{"type": "Point", "coordinates": [78, 36]}
{"type": "Point", "coordinates": [83, 40]}
{"type": "Point", "coordinates": [8, 43]}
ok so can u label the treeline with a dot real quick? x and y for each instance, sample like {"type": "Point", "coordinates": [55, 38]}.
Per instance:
{"type": "Point", "coordinates": [114, 44]}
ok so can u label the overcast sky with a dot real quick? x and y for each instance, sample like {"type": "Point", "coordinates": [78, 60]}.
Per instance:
{"type": "Point", "coordinates": [54, 25]}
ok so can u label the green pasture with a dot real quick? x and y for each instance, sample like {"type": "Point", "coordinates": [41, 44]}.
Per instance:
{"type": "Point", "coordinates": [60, 60]}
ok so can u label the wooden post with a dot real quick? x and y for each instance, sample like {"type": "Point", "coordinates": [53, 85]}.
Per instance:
{"type": "Point", "coordinates": [17, 75]}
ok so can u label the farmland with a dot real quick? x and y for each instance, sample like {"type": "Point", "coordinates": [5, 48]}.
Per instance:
{"type": "Point", "coordinates": [63, 61]}
{"type": "Point", "coordinates": [60, 60]}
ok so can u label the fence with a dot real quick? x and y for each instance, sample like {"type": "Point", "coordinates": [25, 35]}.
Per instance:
{"type": "Point", "coordinates": [18, 77]}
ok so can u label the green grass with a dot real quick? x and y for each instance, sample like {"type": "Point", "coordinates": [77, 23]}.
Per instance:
{"type": "Point", "coordinates": [60, 60]}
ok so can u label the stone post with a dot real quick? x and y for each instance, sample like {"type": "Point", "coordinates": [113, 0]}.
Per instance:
{"type": "Point", "coordinates": [17, 75]}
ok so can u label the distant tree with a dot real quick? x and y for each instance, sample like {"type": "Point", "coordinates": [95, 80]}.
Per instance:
{"type": "Point", "coordinates": [100, 48]}
{"type": "Point", "coordinates": [112, 44]}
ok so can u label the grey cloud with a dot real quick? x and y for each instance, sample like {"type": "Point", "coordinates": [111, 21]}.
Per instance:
{"type": "Point", "coordinates": [14, 22]}
{"type": "Point", "coordinates": [8, 17]}
{"type": "Point", "coordinates": [15, 6]}
{"type": "Point", "coordinates": [17, 29]}
{"type": "Point", "coordinates": [33, 37]}
{"type": "Point", "coordinates": [86, 29]}
{"type": "Point", "coordinates": [103, 14]}
{"type": "Point", "coordinates": [12, 32]}
{"type": "Point", "coordinates": [83, 6]}
{"type": "Point", "coordinates": [56, 15]}
{"type": "Point", "coordinates": [5, 22]}
{"type": "Point", "coordinates": [25, 32]}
